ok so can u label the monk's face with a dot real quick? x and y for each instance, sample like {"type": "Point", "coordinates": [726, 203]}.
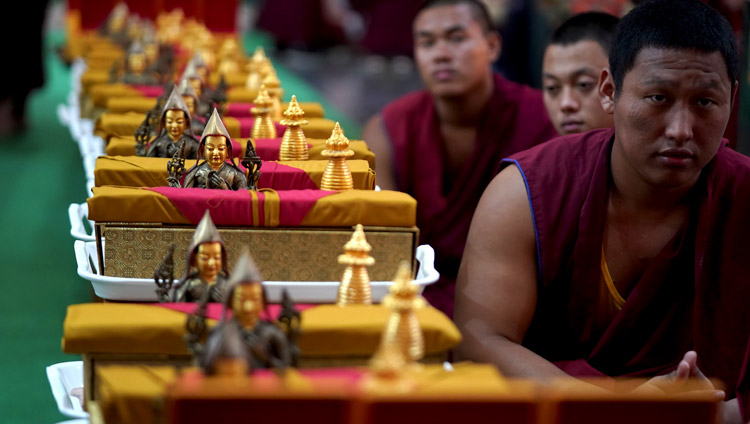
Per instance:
{"type": "Point", "coordinates": [452, 50]}
{"type": "Point", "coordinates": [215, 151]}
{"type": "Point", "coordinates": [669, 114]}
{"type": "Point", "coordinates": [175, 123]}
{"type": "Point", "coordinates": [247, 303]}
{"type": "Point", "coordinates": [208, 260]}
{"type": "Point", "coordinates": [190, 102]}
{"type": "Point", "coordinates": [570, 75]}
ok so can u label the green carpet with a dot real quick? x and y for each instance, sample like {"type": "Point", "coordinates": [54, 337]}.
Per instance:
{"type": "Point", "coordinates": [43, 174]}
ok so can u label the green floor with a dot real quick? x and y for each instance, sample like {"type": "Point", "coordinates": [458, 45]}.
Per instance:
{"type": "Point", "coordinates": [43, 174]}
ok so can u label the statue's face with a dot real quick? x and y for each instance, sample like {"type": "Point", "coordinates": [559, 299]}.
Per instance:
{"type": "Point", "coordinates": [137, 62]}
{"type": "Point", "coordinates": [190, 102]}
{"type": "Point", "coordinates": [197, 86]}
{"type": "Point", "coordinates": [215, 150]}
{"type": "Point", "coordinates": [175, 123]}
{"type": "Point", "coordinates": [208, 260]}
{"type": "Point", "coordinates": [247, 303]}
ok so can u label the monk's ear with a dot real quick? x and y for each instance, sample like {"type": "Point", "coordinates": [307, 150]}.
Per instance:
{"type": "Point", "coordinates": [607, 91]}
{"type": "Point", "coordinates": [495, 43]}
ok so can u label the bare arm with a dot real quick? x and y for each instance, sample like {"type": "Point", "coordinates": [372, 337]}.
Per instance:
{"type": "Point", "coordinates": [374, 135]}
{"type": "Point", "coordinates": [496, 292]}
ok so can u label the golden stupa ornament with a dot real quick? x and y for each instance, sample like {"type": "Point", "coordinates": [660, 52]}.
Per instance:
{"type": "Point", "coordinates": [403, 327]}
{"type": "Point", "coordinates": [337, 175]}
{"type": "Point", "coordinates": [355, 282]}
{"type": "Point", "coordinates": [263, 126]}
{"type": "Point", "coordinates": [294, 144]}
{"type": "Point", "coordinates": [275, 92]}
{"type": "Point", "coordinates": [389, 372]}
{"type": "Point", "coordinates": [259, 55]}
{"type": "Point", "coordinates": [256, 77]}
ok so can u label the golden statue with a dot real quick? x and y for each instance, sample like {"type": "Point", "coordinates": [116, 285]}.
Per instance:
{"type": "Point", "coordinates": [174, 130]}
{"type": "Point", "coordinates": [215, 168]}
{"type": "Point", "coordinates": [205, 278]}
{"type": "Point", "coordinates": [263, 126]}
{"type": "Point", "coordinates": [245, 340]}
{"type": "Point", "coordinates": [229, 57]}
{"type": "Point", "coordinates": [403, 329]}
{"type": "Point", "coordinates": [355, 283]}
{"type": "Point", "coordinates": [294, 144]}
{"type": "Point", "coordinates": [337, 175]}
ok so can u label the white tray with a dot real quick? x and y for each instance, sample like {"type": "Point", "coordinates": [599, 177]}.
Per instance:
{"type": "Point", "coordinates": [64, 377]}
{"type": "Point", "coordinates": [143, 289]}
{"type": "Point", "coordinates": [76, 214]}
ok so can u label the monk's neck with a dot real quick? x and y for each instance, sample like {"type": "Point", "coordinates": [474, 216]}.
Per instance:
{"type": "Point", "coordinates": [465, 110]}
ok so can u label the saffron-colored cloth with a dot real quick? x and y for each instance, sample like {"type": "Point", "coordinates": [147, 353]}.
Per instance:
{"type": "Point", "coordinates": [514, 119]}
{"type": "Point", "coordinates": [691, 297]}
{"type": "Point", "coordinates": [242, 109]}
{"type": "Point", "coordinates": [111, 124]}
{"type": "Point", "coordinates": [267, 148]}
{"type": "Point", "coordinates": [215, 310]}
{"type": "Point", "coordinates": [271, 208]}
{"type": "Point", "coordinates": [101, 93]}
{"type": "Point", "coordinates": [125, 146]}
{"type": "Point", "coordinates": [326, 330]}
{"type": "Point", "coordinates": [141, 104]}
{"type": "Point", "coordinates": [136, 171]}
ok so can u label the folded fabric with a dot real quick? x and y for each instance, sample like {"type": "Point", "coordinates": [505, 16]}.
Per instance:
{"type": "Point", "coordinates": [265, 208]}
{"type": "Point", "coordinates": [101, 93]}
{"type": "Point", "coordinates": [267, 149]}
{"type": "Point", "coordinates": [326, 330]}
{"type": "Point", "coordinates": [112, 124]}
{"type": "Point", "coordinates": [141, 104]}
{"type": "Point", "coordinates": [93, 77]}
{"type": "Point", "coordinates": [135, 171]}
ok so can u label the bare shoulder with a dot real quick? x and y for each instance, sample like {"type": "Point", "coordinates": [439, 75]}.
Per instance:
{"type": "Point", "coordinates": [378, 141]}
{"type": "Point", "coordinates": [496, 288]}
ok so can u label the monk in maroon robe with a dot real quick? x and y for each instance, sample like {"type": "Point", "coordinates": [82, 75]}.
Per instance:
{"type": "Point", "coordinates": [443, 145]}
{"type": "Point", "coordinates": [623, 252]}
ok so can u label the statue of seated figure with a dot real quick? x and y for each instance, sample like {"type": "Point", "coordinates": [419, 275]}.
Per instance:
{"type": "Point", "coordinates": [174, 130]}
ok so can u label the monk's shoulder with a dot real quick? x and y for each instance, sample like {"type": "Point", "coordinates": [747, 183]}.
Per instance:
{"type": "Point", "coordinates": [531, 120]}
{"type": "Point", "coordinates": [406, 106]}
{"type": "Point", "coordinates": [732, 169]}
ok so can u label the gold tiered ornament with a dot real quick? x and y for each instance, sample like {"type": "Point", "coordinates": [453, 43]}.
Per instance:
{"type": "Point", "coordinates": [402, 342]}
{"type": "Point", "coordinates": [337, 175]}
{"type": "Point", "coordinates": [355, 283]}
{"type": "Point", "coordinates": [403, 327]}
{"type": "Point", "coordinates": [275, 92]}
{"type": "Point", "coordinates": [263, 126]}
{"type": "Point", "coordinates": [294, 144]}
{"type": "Point", "coordinates": [258, 57]}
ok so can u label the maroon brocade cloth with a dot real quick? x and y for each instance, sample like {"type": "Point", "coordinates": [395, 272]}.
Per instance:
{"type": "Point", "coordinates": [513, 120]}
{"type": "Point", "coordinates": [698, 300]}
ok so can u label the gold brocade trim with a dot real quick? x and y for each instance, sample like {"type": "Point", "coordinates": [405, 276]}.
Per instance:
{"type": "Point", "coordinates": [256, 211]}
{"type": "Point", "coordinates": [616, 297]}
{"type": "Point", "coordinates": [271, 207]}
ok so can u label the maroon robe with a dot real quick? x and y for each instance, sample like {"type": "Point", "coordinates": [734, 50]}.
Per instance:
{"type": "Point", "coordinates": [692, 296]}
{"type": "Point", "coordinates": [513, 120]}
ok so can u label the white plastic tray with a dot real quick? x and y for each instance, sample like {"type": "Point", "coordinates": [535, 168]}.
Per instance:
{"type": "Point", "coordinates": [143, 289]}
{"type": "Point", "coordinates": [76, 214]}
{"type": "Point", "coordinates": [63, 378]}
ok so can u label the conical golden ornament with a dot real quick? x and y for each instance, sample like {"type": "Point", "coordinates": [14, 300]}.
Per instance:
{"type": "Point", "coordinates": [273, 86]}
{"type": "Point", "coordinates": [355, 282]}
{"type": "Point", "coordinates": [403, 326]}
{"type": "Point", "coordinates": [294, 144]}
{"type": "Point", "coordinates": [256, 77]}
{"type": "Point", "coordinates": [263, 126]}
{"type": "Point", "coordinates": [259, 55]}
{"type": "Point", "coordinates": [337, 175]}
{"type": "Point", "coordinates": [389, 372]}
